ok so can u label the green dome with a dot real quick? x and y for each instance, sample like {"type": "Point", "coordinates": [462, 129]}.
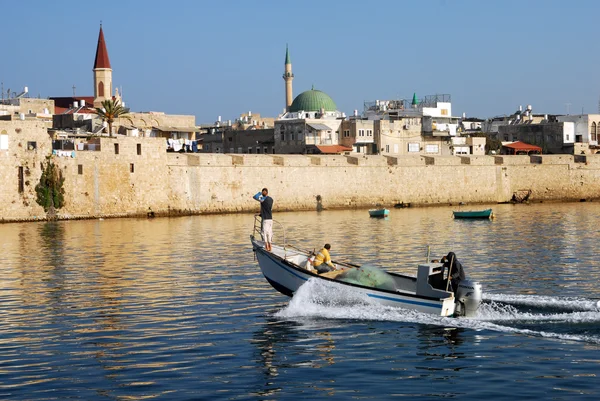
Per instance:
{"type": "Point", "coordinates": [313, 100]}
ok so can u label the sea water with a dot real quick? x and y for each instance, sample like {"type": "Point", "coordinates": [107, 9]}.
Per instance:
{"type": "Point", "coordinates": [177, 309]}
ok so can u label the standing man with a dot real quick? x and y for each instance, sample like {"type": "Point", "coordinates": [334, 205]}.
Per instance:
{"type": "Point", "coordinates": [455, 270]}
{"type": "Point", "coordinates": [266, 215]}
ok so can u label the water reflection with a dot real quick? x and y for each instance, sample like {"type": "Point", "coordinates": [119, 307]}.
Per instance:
{"type": "Point", "coordinates": [140, 308]}
{"type": "Point", "coordinates": [440, 343]}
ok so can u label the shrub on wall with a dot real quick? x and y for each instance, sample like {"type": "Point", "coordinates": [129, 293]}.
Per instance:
{"type": "Point", "coordinates": [50, 191]}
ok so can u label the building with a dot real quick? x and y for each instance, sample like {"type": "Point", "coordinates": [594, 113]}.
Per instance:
{"type": "Point", "coordinates": [288, 77]}
{"type": "Point", "coordinates": [586, 131]}
{"type": "Point", "coordinates": [404, 127]}
{"type": "Point", "coordinates": [470, 125]}
{"type": "Point", "coordinates": [553, 134]}
{"type": "Point", "coordinates": [102, 72]}
{"type": "Point", "coordinates": [310, 126]}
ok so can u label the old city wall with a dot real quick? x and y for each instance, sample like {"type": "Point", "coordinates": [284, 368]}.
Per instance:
{"type": "Point", "coordinates": [131, 176]}
{"type": "Point", "coordinates": [23, 147]}
{"type": "Point", "coordinates": [225, 183]}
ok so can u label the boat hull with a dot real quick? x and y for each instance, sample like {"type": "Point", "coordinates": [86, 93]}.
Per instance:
{"type": "Point", "coordinates": [473, 214]}
{"type": "Point", "coordinates": [287, 278]}
{"type": "Point", "coordinates": [379, 212]}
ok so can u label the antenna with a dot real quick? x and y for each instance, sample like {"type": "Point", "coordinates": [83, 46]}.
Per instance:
{"type": "Point", "coordinates": [74, 90]}
{"type": "Point", "coordinates": [568, 107]}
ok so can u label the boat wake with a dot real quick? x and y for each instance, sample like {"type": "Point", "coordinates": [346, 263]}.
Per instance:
{"type": "Point", "coordinates": [572, 319]}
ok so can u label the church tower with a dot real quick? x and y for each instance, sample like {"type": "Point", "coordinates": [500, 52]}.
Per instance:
{"type": "Point", "coordinates": [102, 73]}
{"type": "Point", "coordinates": [288, 77]}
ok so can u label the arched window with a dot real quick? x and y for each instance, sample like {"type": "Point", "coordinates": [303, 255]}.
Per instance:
{"type": "Point", "coordinates": [101, 89]}
{"type": "Point", "coordinates": [593, 132]}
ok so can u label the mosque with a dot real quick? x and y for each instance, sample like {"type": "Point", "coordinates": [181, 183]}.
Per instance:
{"type": "Point", "coordinates": [310, 123]}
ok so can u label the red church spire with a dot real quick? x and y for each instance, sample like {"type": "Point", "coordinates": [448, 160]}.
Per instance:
{"type": "Point", "coordinates": [102, 60]}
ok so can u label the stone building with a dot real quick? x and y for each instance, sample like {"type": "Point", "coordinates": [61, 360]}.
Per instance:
{"type": "Point", "coordinates": [553, 137]}
{"type": "Point", "coordinates": [586, 131]}
{"type": "Point", "coordinates": [102, 72]}
{"type": "Point", "coordinates": [403, 127]}
{"type": "Point", "coordinates": [312, 125]}
{"type": "Point", "coordinates": [24, 145]}
{"type": "Point", "coordinates": [21, 104]}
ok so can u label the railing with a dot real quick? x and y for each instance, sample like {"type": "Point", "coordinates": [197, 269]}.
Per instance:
{"type": "Point", "coordinates": [257, 230]}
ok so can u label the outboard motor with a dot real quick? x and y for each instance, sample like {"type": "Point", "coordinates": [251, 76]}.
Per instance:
{"type": "Point", "coordinates": [468, 298]}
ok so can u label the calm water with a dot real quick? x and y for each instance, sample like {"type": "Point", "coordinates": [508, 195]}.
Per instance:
{"type": "Point", "coordinates": [177, 309]}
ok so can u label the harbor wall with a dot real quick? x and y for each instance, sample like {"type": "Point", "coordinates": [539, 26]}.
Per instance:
{"type": "Point", "coordinates": [131, 176]}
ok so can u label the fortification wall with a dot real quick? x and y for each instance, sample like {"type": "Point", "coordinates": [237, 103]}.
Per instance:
{"type": "Point", "coordinates": [130, 176]}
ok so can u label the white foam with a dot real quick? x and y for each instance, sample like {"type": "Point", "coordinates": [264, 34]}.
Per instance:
{"type": "Point", "coordinates": [544, 301]}
{"type": "Point", "coordinates": [318, 299]}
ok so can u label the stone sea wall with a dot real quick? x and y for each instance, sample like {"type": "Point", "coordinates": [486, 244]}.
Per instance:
{"type": "Point", "coordinates": [131, 176]}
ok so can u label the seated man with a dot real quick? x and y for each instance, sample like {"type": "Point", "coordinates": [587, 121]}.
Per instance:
{"type": "Point", "coordinates": [322, 261]}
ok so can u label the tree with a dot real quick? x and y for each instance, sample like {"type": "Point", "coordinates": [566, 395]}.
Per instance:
{"type": "Point", "coordinates": [50, 191]}
{"type": "Point", "coordinates": [110, 110]}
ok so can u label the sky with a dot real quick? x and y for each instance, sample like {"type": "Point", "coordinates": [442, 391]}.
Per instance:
{"type": "Point", "coordinates": [224, 58]}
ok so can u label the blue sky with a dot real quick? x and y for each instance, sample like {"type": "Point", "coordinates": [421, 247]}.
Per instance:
{"type": "Point", "coordinates": [224, 58]}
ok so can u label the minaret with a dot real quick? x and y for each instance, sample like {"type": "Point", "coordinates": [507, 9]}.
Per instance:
{"type": "Point", "coordinates": [288, 77]}
{"type": "Point", "coordinates": [414, 103]}
{"type": "Point", "coordinates": [102, 73]}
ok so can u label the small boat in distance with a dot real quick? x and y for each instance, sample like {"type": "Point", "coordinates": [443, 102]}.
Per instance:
{"type": "Point", "coordinates": [379, 212]}
{"type": "Point", "coordinates": [473, 214]}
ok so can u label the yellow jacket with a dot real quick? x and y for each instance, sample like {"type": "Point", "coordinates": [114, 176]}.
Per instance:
{"type": "Point", "coordinates": [323, 257]}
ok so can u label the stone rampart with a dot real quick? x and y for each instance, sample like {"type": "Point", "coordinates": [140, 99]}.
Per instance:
{"type": "Point", "coordinates": [130, 176]}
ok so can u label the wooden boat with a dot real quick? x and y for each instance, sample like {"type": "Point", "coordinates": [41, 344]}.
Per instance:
{"type": "Point", "coordinates": [473, 214]}
{"type": "Point", "coordinates": [287, 268]}
{"type": "Point", "coordinates": [379, 212]}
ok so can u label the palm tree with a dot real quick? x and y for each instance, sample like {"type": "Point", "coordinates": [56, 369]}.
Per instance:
{"type": "Point", "coordinates": [110, 110]}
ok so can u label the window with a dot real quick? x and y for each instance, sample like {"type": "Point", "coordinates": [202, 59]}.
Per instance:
{"type": "Point", "coordinates": [240, 150]}
{"type": "Point", "coordinates": [282, 137]}
{"type": "Point", "coordinates": [347, 133]}
{"type": "Point", "coordinates": [361, 132]}
{"type": "Point", "coordinates": [131, 168]}
{"type": "Point", "coordinates": [139, 149]}
{"type": "Point", "coordinates": [444, 112]}
{"type": "Point", "coordinates": [431, 148]}
{"type": "Point", "coordinates": [505, 137]}
{"type": "Point", "coordinates": [116, 148]}
{"type": "Point", "coordinates": [21, 179]}
{"type": "Point", "coordinates": [249, 149]}
{"type": "Point", "coordinates": [593, 133]}
{"type": "Point", "coordinates": [80, 169]}
{"type": "Point", "coordinates": [387, 148]}
{"type": "Point", "coordinates": [3, 141]}
{"type": "Point", "coordinates": [396, 148]}
{"type": "Point", "coordinates": [265, 150]}
{"type": "Point", "coordinates": [292, 136]}
{"type": "Point", "coordinates": [258, 150]}
{"type": "Point", "coordinates": [413, 147]}
{"type": "Point", "coordinates": [31, 145]}
{"type": "Point", "coordinates": [369, 132]}
{"type": "Point", "coordinates": [231, 150]}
